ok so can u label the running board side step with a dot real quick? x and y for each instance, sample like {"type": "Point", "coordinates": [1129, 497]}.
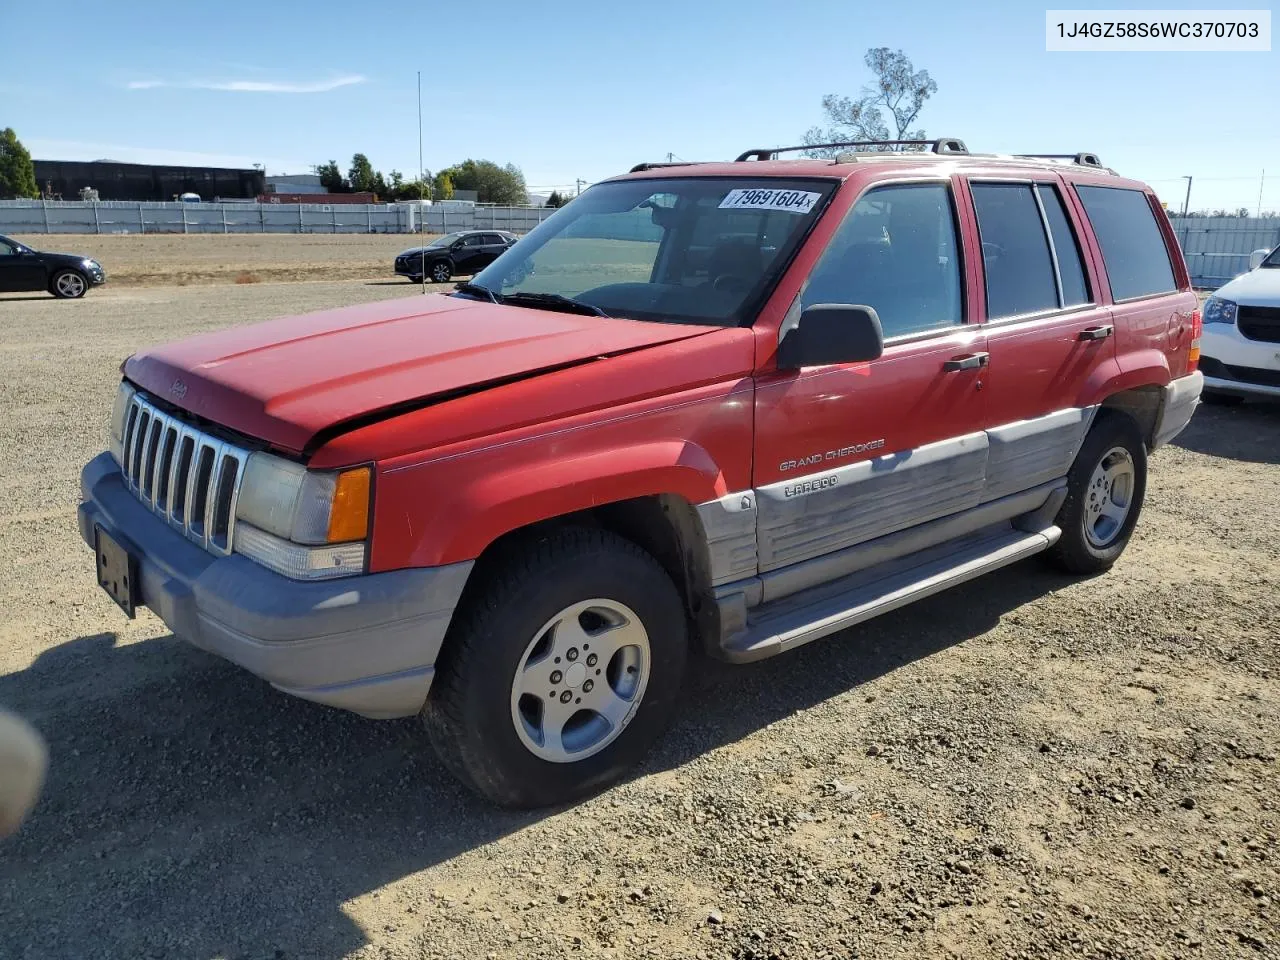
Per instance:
{"type": "Point", "coordinates": [800, 618]}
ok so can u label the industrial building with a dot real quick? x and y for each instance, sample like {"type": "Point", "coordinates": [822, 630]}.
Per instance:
{"type": "Point", "coordinates": [141, 181]}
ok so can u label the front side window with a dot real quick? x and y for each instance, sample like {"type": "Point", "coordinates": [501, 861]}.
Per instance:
{"type": "Point", "coordinates": [1273, 260]}
{"type": "Point", "coordinates": [475, 240]}
{"type": "Point", "coordinates": [692, 250]}
{"type": "Point", "coordinates": [896, 252]}
{"type": "Point", "coordinates": [1133, 247]}
{"type": "Point", "coordinates": [448, 240]}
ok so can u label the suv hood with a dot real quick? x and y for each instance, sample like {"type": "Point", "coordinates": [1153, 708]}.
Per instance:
{"type": "Point", "coordinates": [285, 380]}
{"type": "Point", "coordinates": [1257, 288]}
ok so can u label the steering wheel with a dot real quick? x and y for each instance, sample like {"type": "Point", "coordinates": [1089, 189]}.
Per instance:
{"type": "Point", "coordinates": [730, 283]}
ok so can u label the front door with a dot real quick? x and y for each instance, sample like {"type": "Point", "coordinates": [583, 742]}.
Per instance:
{"type": "Point", "coordinates": [1047, 331]}
{"type": "Point", "coordinates": [848, 453]}
{"type": "Point", "coordinates": [469, 257]}
{"type": "Point", "coordinates": [19, 271]}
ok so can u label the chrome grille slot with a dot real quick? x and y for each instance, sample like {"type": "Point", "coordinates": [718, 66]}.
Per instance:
{"type": "Point", "coordinates": [188, 477]}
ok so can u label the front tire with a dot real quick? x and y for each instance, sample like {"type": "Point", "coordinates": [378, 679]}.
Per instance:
{"type": "Point", "coordinates": [68, 285]}
{"type": "Point", "coordinates": [561, 672]}
{"type": "Point", "coordinates": [1105, 489]}
{"type": "Point", "coordinates": [440, 272]}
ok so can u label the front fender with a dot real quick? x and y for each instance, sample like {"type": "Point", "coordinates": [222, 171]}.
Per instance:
{"type": "Point", "coordinates": [475, 506]}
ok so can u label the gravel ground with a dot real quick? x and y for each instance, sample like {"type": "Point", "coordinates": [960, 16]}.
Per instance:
{"type": "Point", "coordinates": [1027, 766]}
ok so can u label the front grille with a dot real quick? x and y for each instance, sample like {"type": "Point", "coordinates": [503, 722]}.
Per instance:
{"type": "Point", "coordinates": [1259, 323]}
{"type": "Point", "coordinates": [186, 476]}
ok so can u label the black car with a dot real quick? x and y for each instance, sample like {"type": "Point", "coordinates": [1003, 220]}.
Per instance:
{"type": "Point", "coordinates": [454, 254]}
{"type": "Point", "coordinates": [65, 275]}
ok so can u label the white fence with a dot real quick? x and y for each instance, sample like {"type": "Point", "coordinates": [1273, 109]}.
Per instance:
{"type": "Point", "coordinates": [120, 216]}
{"type": "Point", "coordinates": [1217, 248]}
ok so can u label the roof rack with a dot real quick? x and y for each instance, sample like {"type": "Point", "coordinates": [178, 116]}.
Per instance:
{"type": "Point", "coordinates": [1083, 159]}
{"type": "Point", "coordinates": [942, 145]}
{"type": "Point", "coordinates": [639, 167]}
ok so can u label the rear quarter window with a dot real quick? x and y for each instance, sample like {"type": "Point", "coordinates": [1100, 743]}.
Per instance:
{"type": "Point", "coordinates": [1133, 247]}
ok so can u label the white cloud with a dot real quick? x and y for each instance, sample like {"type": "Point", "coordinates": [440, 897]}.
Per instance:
{"type": "Point", "coordinates": [252, 86]}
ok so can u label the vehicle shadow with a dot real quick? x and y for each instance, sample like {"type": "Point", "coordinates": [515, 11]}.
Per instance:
{"type": "Point", "coordinates": [192, 811]}
{"type": "Point", "coordinates": [1249, 431]}
{"type": "Point", "coordinates": [5, 297]}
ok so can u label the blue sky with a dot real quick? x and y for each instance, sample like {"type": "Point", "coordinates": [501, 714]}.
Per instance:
{"type": "Point", "coordinates": [573, 89]}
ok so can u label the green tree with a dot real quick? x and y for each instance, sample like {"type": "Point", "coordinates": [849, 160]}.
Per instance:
{"type": "Point", "coordinates": [361, 176]}
{"type": "Point", "coordinates": [331, 178]}
{"type": "Point", "coordinates": [898, 88]}
{"type": "Point", "coordinates": [557, 199]}
{"type": "Point", "coordinates": [442, 188]}
{"type": "Point", "coordinates": [492, 183]}
{"type": "Point", "coordinates": [17, 173]}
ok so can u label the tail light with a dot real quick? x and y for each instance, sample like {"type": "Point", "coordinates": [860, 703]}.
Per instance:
{"type": "Point", "coordinates": [1197, 328]}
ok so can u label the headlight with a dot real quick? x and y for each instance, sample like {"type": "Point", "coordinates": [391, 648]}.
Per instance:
{"type": "Point", "coordinates": [90, 264]}
{"type": "Point", "coordinates": [305, 524]}
{"type": "Point", "coordinates": [1217, 310]}
{"type": "Point", "coordinates": [119, 413]}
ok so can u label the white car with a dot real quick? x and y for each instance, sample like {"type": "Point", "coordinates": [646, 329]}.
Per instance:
{"type": "Point", "coordinates": [1240, 348]}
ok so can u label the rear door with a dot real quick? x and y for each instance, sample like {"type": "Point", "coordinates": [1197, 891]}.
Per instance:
{"type": "Point", "coordinates": [494, 246]}
{"type": "Point", "coordinates": [849, 452]}
{"type": "Point", "coordinates": [1047, 330]}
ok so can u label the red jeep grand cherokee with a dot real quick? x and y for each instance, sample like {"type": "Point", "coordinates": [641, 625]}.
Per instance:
{"type": "Point", "coordinates": [732, 407]}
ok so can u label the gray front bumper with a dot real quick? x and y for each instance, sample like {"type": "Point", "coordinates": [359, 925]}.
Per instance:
{"type": "Point", "coordinates": [367, 643]}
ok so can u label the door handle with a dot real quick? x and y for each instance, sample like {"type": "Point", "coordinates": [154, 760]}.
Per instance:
{"type": "Point", "coordinates": [970, 361]}
{"type": "Point", "coordinates": [1096, 333]}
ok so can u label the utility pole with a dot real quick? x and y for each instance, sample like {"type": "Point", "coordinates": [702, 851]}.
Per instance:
{"type": "Point", "coordinates": [670, 156]}
{"type": "Point", "coordinates": [579, 182]}
{"type": "Point", "coordinates": [1261, 183]}
{"type": "Point", "coordinates": [1187, 202]}
{"type": "Point", "coordinates": [421, 186]}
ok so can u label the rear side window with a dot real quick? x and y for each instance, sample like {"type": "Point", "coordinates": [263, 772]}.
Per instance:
{"type": "Point", "coordinates": [1015, 250]}
{"type": "Point", "coordinates": [896, 251]}
{"type": "Point", "coordinates": [1075, 290]}
{"type": "Point", "coordinates": [1133, 247]}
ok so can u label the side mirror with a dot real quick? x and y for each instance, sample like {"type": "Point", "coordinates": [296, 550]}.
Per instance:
{"type": "Point", "coordinates": [457, 245]}
{"type": "Point", "coordinates": [832, 333]}
{"type": "Point", "coordinates": [1256, 258]}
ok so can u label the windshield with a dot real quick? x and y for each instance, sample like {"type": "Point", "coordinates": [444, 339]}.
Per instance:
{"type": "Point", "coordinates": [445, 241]}
{"type": "Point", "coordinates": [696, 250]}
{"type": "Point", "coordinates": [1273, 260]}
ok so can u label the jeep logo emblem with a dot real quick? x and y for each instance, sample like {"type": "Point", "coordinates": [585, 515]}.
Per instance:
{"type": "Point", "coordinates": [179, 389]}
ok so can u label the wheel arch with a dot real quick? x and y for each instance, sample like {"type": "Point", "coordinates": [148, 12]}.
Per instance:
{"type": "Point", "coordinates": [664, 525]}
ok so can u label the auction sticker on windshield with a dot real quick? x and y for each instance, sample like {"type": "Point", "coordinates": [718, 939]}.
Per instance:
{"type": "Point", "coordinates": [756, 198]}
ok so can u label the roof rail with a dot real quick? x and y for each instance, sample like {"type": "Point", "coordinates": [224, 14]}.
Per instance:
{"type": "Point", "coordinates": [941, 145]}
{"type": "Point", "coordinates": [1083, 159]}
{"type": "Point", "coordinates": [639, 167]}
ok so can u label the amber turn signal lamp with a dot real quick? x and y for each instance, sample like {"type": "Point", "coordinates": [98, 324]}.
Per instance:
{"type": "Point", "coordinates": [349, 516]}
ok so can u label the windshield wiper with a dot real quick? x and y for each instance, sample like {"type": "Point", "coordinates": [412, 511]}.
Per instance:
{"type": "Point", "coordinates": [554, 301]}
{"type": "Point", "coordinates": [476, 290]}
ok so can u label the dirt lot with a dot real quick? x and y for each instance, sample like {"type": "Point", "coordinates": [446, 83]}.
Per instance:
{"type": "Point", "coordinates": [1027, 766]}
{"type": "Point", "coordinates": [131, 260]}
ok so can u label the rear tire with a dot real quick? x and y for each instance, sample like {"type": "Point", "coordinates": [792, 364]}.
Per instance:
{"type": "Point", "coordinates": [523, 710]}
{"type": "Point", "coordinates": [1221, 399]}
{"type": "Point", "coordinates": [68, 285]}
{"type": "Point", "coordinates": [1105, 489]}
